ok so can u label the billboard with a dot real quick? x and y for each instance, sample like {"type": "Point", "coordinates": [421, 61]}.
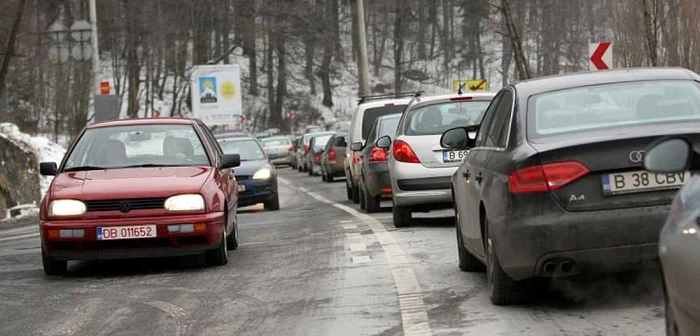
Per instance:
{"type": "Point", "coordinates": [216, 94]}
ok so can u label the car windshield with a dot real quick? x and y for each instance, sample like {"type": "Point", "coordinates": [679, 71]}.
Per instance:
{"type": "Point", "coordinates": [388, 127]}
{"type": "Point", "coordinates": [248, 149]}
{"type": "Point", "coordinates": [321, 140]}
{"type": "Point", "coordinates": [438, 118]}
{"type": "Point", "coordinates": [276, 142]}
{"type": "Point", "coordinates": [371, 114]}
{"type": "Point", "coordinates": [612, 106]}
{"type": "Point", "coordinates": [137, 146]}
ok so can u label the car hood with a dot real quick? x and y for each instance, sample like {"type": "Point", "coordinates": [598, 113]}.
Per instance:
{"type": "Point", "coordinates": [129, 183]}
{"type": "Point", "coordinates": [248, 168]}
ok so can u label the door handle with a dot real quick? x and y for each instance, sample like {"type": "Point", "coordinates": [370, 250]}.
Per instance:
{"type": "Point", "coordinates": [478, 177]}
{"type": "Point", "coordinates": [465, 174]}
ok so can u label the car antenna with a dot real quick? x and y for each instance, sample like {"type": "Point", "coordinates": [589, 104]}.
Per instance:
{"type": "Point", "coordinates": [461, 86]}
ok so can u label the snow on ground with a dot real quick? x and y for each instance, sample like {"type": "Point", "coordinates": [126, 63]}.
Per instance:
{"type": "Point", "coordinates": [45, 150]}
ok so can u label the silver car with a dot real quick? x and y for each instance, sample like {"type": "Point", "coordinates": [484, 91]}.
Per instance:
{"type": "Point", "coordinates": [419, 168]}
{"type": "Point", "coordinates": [279, 148]}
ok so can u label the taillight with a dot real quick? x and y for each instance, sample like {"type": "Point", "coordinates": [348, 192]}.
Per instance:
{"type": "Point", "coordinates": [306, 148]}
{"type": "Point", "coordinates": [356, 158]}
{"type": "Point", "coordinates": [546, 177]}
{"type": "Point", "coordinates": [331, 155]}
{"type": "Point", "coordinates": [290, 148]}
{"type": "Point", "coordinates": [317, 157]}
{"type": "Point", "coordinates": [378, 155]}
{"type": "Point", "coordinates": [404, 153]}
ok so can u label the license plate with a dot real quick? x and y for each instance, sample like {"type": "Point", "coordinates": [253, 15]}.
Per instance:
{"type": "Point", "coordinates": [241, 187]}
{"type": "Point", "coordinates": [640, 181]}
{"type": "Point", "coordinates": [453, 156]}
{"type": "Point", "coordinates": [126, 232]}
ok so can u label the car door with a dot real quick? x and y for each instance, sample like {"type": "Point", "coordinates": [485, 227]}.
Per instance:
{"type": "Point", "coordinates": [369, 146]}
{"type": "Point", "coordinates": [225, 178]}
{"type": "Point", "coordinates": [340, 146]}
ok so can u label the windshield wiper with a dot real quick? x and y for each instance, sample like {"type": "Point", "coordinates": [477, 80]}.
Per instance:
{"type": "Point", "coordinates": [80, 168]}
{"type": "Point", "coordinates": [149, 165]}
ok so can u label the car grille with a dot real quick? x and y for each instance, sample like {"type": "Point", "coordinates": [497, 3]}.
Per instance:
{"type": "Point", "coordinates": [133, 204]}
{"type": "Point", "coordinates": [242, 177]}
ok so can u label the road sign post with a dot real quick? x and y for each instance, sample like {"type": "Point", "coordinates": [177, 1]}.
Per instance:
{"type": "Point", "coordinates": [600, 56]}
{"type": "Point", "coordinates": [106, 107]}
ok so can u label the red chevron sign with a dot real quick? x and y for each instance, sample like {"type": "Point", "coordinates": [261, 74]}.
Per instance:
{"type": "Point", "coordinates": [600, 56]}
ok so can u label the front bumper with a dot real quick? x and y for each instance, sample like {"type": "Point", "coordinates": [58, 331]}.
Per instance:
{"type": "Point", "coordinates": [164, 245]}
{"type": "Point", "coordinates": [257, 191]}
{"type": "Point", "coordinates": [595, 241]}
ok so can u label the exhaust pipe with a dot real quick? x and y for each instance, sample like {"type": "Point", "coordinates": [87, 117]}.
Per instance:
{"type": "Point", "coordinates": [566, 266]}
{"type": "Point", "coordinates": [549, 267]}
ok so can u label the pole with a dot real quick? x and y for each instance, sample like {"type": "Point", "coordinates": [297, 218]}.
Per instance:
{"type": "Point", "coordinates": [362, 62]}
{"type": "Point", "coordinates": [95, 56]}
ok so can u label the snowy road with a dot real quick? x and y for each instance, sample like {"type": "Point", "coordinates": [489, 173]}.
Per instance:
{"type": "Point", "coordinates": [316, 267]}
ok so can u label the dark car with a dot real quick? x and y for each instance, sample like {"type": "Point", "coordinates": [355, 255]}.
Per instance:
{"type": "Point", "coordinates": [333, 157]}
{"type": "Point", "coordinates": [295, 147]}
{"type": "Point", "coordinates": [256, 176]}
{"type": "Point", "coordinates": [313, 156]}
{"type": "Point", "coordinates": [303, 148]}
{"type": "Point", "coordinates": [554, 183]}
{"type": "Point", "coordinates": [140, 188]}
{"type": "Point", "coordinates": [374, 167]}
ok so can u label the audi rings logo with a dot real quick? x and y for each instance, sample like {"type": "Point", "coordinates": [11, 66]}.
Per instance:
{"type": "Point", "coordinates": [124, 206]}
{"type": "Point", "coordinates": [637, 156]}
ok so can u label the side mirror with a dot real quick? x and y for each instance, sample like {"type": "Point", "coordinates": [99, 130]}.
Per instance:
{"type": "Point", "coordinates": [384, 142]}
{"type": "Point", "coordinates": [230, 161]}
{"type": "Point", "coordinates": [668, 156]}
{"type": "Point", "coordinates": [356, 146]}
{"type": "Point", "coordinates": [48, 168]}
{"type": "Point", "coordinates": [459, 138]}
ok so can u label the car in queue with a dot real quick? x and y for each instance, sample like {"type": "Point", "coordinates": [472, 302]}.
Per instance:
{"type": "Point", "coordinates": [368, 109]}
{"type": "Point", "coordinates": [553, 183]}
{"type": "Point", "coordinates": [317, 143]}
{"type": "Point", "coordinates": [304, 146]}
{"type": "Point", "coordinates": [295, 147]}
{"type": "Point", "coordinates": [140, 188]}
{"type": "Point", "coordinates": [678, 242]}
{"type": "Point", "coordinates": [419, 167]}
{"type": "Point", "coordinates": [375, 184]}
{"type": "Point", "coordinates": [279, 149]}
{"type": "Point", "coordinates": [333, 157]}
{"type": "Point", "coordinates": [256, 176]}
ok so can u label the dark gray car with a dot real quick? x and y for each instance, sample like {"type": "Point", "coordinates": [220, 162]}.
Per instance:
{"type": "Point", "coordinates": [333, 157]}
{"type": "Point", "coordinates": [313, 156]}
{"type": "Point", "coordinates": [374, 182]}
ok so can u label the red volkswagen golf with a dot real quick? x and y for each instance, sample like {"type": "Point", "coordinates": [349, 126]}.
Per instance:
{"type": "Point", "coordinates": [140, 188]}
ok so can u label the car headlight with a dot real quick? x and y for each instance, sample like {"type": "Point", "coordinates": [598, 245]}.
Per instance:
{"type": "Point", "coordinates": [66, 207]}
{"type": "Point", "coordinates": [188, 202]}
{"type": "Point", "coordinates": [263, 173]}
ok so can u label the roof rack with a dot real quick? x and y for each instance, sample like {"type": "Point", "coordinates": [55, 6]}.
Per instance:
{"type": "Point", "coordinates": [364, 99]}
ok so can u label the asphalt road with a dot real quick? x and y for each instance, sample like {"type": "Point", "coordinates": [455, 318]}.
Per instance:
{"type": "Point", "coordinates": [318, 266]}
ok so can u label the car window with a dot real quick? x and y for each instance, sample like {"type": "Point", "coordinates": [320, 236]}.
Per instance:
{"type": "Point", "coordinates": [500, 121]}
{"type": "Point", "coordinates": [248, 149]}
{"type": "Point", "coordinates": [321, 140]}
{"type": "Point", "coordinates": [275, 142]}
{"type": "Point", "coordinates": [372, 135]}
{"type": "Point", "coordinates": [438, 118]}
{"type": "Point", "coordinates": [388, 127]}
{"type": "Point", "coordinates": [612, 106]}
{"type": "Point", "coordinates": [487, 119]}
{"type": "Point", "coordinates": [211, 139]}
{"type": "Point", "coordinates": [138, 145]}
{"type": "Point", "coordinates": [371, 114]}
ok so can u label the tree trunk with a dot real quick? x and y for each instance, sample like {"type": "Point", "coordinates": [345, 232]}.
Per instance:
{"type": "Point", "coordinates": [325, 71]}
{"type": "Point", "coordinates": [355, 38]}
{"type": "Point", "coordinates": [650, 29]}
{"type": "Point", "coordinates": [309, 52]}
{"type": "Point", "coordinates": [421, 29]}
{"type": "Point", "coordinates": [10, 47]}
{"type": "Point", "coordinates": [269, 58]}
{"type": "Point", "coordinates": [335, 23]}
{"type": "Point", "coordinates": [521, 62]}
{"type": "Point", "coordinates": [253, 54]}
{"type": "Point", "coordinates": [398, 45]}
{"type": "Point", "coordinates": [276, 113]}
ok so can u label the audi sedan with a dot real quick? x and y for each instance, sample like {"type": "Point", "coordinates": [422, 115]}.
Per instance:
{"type": "Point", "coordinates": [554, 184]}
{"type": "Point", "coordinates": [140, 188]}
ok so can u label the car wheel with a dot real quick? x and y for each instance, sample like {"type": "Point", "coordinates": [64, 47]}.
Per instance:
{"type": "Point", "coordinates": [362, 196]}
{"type": "Point", "coordinates": [329, 178]}
{"type": "Point", "coordinates": [348, 191]}
{"type": "Point", "coordinates": [232, 239]}
{"type": "Point", "coordinates": [371, 203]}
{"type": "Point", "coordinates": [502, 289]}
{"type": "Point", "coordinates": [467, 262]}
{"type": "Point", "coordinates": [299, 168]}
{"type": "Point", "coordinates": [402, 215]}
{"type": "Point", "coordinates": [323, 176]}
{"type": "Point", "coordinates": [671, 325]}
{"type": "Point", "coordinates": [219, 255]}
{"type": "Point", "coordinates": [273, 204]}
{"type": "Point", "coordinates": [355, 195]}
{"type": "Point", "coordinates": [311, 171]}
{"type": "Point", "coordinates": [53, 266]}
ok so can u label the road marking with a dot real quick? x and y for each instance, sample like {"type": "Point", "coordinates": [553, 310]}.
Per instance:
{"type": "Point", "coordinates": [414, 315]}
{"type": "Point", "coordinates": [358, 247]}
{"type": "Point", "coordinates": [349, 226]}
{"type": "Point", "coordinates": [302, 189]}
{"type": "Point", "coordinates": [346, 221]}
{"type": "Point", "coordinates": [354, 237]}
{"type": "Point", "coordinates": [28, 235]}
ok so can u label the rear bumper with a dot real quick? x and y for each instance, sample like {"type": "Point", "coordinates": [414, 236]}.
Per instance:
{"type": "Point", "coordinates": [595, 241]}
{"type": "Point", "coordinates": [257, 191]}
{"type": "Point", "coordinates": [335, 169]}
{"type": "Point", "coordinates": [376, 177]}
{"type": "Point", "coordinates": [414, 184]}
{"type": "Point", "coordinates": [164, 245]}
{"type": "Point", "coordinates": [282, 160]}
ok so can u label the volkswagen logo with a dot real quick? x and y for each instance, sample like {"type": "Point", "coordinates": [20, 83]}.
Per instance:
{"type": "Point", "coordinates": [637, 156]}
{"type": "Point", "coordinates": [124, 206]}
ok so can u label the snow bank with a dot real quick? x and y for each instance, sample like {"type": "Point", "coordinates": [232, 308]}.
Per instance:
{"type": "Point", "coordinates": [44, 149]}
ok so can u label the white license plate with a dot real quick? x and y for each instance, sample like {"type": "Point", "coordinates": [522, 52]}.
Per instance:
{"type": "Point", "coordinates": [126, 232]}
{"type": "Point", "coordinates": [454, 156]}
{"type": "Point", "coordinates": [640, 181]}
{"type": "Point", "coordinates": [241, 187]}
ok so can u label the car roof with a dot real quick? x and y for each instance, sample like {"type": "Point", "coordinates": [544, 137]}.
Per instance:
{"type": "Point", "coordinates": [534, 86]}
{"type": "Point", "coordinates": [319, 133]}
{"type": "Point", "coordinates": [277, 137]}
{"type": "Point", "coordinates": [143, 121]}
{"type": "Point", "coordinates": [232, 139]}
{"type": "Point", "coordinates": [382, 102]}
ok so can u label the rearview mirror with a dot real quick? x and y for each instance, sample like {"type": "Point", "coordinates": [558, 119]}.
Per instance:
{"type": "Point", "coordinates": [459, 137]}
{"type": "Point", "coordinates": [668, 156]}
{"type": "Point", "coordinates": [139, 136]}
{"type": "Point", "coordinates": [230, 161]}
{"type": "Point", "coordinates": [48, 168]}
{"type": "Point", "coordinates": [384, 142]}
{"type": "Point", "coordinates": [356, 146]}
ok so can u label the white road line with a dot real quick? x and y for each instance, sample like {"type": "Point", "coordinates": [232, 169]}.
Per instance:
{"type": "Point", "coordinates": [353, 237]}
{"type": "Point", "coordinates": [354, 247]}
{"type": "Point", "coordinates": [349, 226]}
{"type": "Point", "coordinates": [28, 235]}
{"type": "Point", "coordinates": [414, 315]}
{"type": "Point", "coordinates": [346, 221]}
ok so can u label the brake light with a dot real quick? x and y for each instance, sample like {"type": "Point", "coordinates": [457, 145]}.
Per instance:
{"type": "Point", "coordinates": [404, 153]}
{"type": "Point", "coordinates": [461, 98]}
{"type": "Point", "coordinates": [317, 157]}
{"type": "Point", "coordinates": [378, 155]}
{"type": "Point", "coordinates": [389, 104]}
{"type": "Point", "coordinates": [306, 148]}
{"type": "Point", "coordinates": [547, 177]}
{"type": "Point", "coordinates": [356, 158]}
{"type": "Point", "coordinates": [290, 148]}
{"type": "Point", "coordinates": [331, 155]}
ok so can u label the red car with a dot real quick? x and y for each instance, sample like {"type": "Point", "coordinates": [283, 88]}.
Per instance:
{"type": "Point", "coordinates": [140, 188]}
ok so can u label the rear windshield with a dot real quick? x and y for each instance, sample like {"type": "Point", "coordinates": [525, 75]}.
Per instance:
{"type": "Point", "coordinates": [371, 114]}
{"type": "Point", "coordinates": [612, 106]}
{"type": "Point", "coordinates": [278, 142]}
{"type": "Point", "coordinates": [321, 140]}
{"type": "Point", "coordinates": [388, 127]}
{"type": "Point", "coordinates": [249, 150]}
{"type": "Point", "coordinates": [438, 118]}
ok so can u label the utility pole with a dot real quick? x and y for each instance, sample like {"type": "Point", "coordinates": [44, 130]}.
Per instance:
{"type": "Point", "coordinates": [95, 49]}
{"type": "Point", "coordinates": [362, 62]}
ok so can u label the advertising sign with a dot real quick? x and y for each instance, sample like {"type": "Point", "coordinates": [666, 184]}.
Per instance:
{"type": "Point", "coordinates": [216, 94]}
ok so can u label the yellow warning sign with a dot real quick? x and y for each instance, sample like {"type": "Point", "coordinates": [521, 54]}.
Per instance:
{"type": "Point", "coordinates": [470, 85]}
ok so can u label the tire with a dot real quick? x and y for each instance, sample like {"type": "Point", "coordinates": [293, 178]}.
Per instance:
{"type": "Point", "coordinates": [329, 178]}
{"type": "Point", "coordinates": [219, 255]}
{"type": "Point", "coordinates": [232, 239]}
{"type": "Point", "coordinates": [671, 324]}
{"type": "Point", "coordinates": [299, 168]}
{"type": "Point", "coordinates": [502, 289]}
{"type": "Point", "coordinates": [311, 171]}
{"type": "Point", "coordinates": [371, 203]}
{"type": "Point", "coordinates": [53, 266]}
{"type": "Point", "coordinates": [467, 262]}
{"type": "Point", "coordinates": [273, 204]}
{"type": "Point", "coordinates": [356, 195]}
{"type": "Point", "coordinates": [401, 215]}
{"type": "Point", "coordinates": [362, 196]}
{"type": "Point", "coordinates": [348, 191]}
